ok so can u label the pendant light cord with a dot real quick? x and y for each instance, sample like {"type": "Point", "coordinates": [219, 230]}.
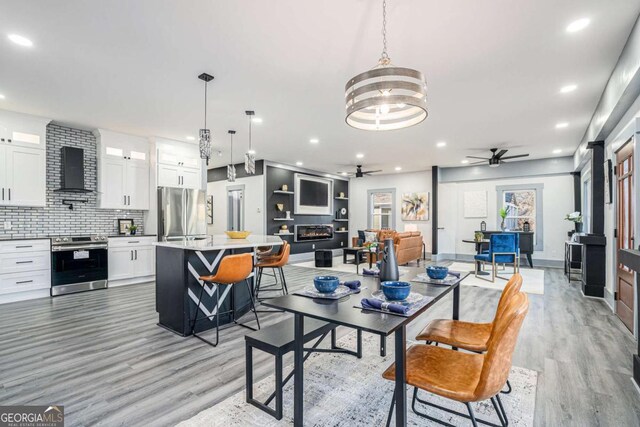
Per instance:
{"type": "Point", "coordinates": [384, 58]}
{"type": "Point", "coordinates": [231, 150]}
{"type": "Point", "coordinates": [205, 104]}
{"type": "Point", "coordinates": [250, 120]}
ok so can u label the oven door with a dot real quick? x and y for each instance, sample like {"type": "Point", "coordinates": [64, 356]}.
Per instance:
{"type": "Point", "coordinates": [78, 265]}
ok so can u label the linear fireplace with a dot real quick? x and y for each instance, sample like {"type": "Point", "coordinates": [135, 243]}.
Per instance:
{"type": "Point", "coordinates": [308, 232]}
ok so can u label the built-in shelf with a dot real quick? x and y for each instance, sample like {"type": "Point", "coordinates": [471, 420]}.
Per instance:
{"type": "Point", "coordinates": [283, 219]}
{"type": "Point", "coordinates": [282, 192]}
{"type": "Point", "coordinates": [283, 234]}
{"type": "Point", "coordinates": [341, 198]}
{"type": "Point", "coordinates": [341, 220]}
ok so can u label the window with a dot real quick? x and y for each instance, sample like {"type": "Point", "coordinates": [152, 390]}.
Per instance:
{"type": "Point", "coordinates": [381, 208]}
{"type": "Point", "coordinates": [523, 204]}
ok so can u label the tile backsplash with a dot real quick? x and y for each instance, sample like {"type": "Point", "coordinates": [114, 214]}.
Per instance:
{"type": "Point", "coordinates": [56, 218]}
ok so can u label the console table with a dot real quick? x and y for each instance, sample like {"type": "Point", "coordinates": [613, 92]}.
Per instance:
{"type": "Point", "coordinates": [526, 242]}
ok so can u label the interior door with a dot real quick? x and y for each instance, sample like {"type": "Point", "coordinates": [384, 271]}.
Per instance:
{"type": "Point", "coordinates": [235, 210]}
{"type": "Point", "coordinates": [138, 184]}
{"type": "Point", "coordinates": [25, 176]}
{"type": "Point", "coordinates": [624, 277]}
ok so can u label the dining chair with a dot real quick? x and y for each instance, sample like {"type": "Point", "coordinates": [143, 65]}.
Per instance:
{"type": "Point", "coordinates": [465, 377]}
{"type": "Point", "coordinates": [274, 263]}
{"type": "Point", "coordinates": [503, 249]}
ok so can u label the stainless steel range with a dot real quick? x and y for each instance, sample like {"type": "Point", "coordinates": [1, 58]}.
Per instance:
{"type": "Point", "coordinates": [78, 263]}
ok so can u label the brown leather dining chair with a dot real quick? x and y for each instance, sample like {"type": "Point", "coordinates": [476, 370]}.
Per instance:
{"type": "Point", "coordinates": [232, 270]}
{"type": "Point", "coordinates": [274, 263]}
{"type": "Point", "coordinates": [468, 335]}
{"type": "Point", "coordinates": [466, 377]}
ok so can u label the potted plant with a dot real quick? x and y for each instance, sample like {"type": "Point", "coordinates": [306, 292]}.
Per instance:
{"type": "Point", "coordinates": [132, 229]}
{"type": "Point", "coordinates": [576, 218]}
{"type": "Point", "coordinates": [503, 215]}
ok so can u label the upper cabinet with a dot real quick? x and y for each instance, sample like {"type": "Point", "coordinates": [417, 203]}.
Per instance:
{"type": "Point", "coordinates": [23, 160]}
{"type": "Point", "coordinates": [123, 171]}
{"type": "Point", "coordinates": [179, 165]}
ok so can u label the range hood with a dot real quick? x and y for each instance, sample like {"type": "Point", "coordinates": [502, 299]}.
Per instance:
{"type": "Point", "coordinates": [72, 170]}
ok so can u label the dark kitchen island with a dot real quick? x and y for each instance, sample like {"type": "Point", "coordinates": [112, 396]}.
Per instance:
{"type": "Point", "coordinates": [178, 266]}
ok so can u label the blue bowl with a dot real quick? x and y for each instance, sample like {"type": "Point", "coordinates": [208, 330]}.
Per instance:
{"type": "Point", "coordinates": [437, 272]}
{"type": "Point", "coordinates": [326, 284]}
{"type": "Point", "coordinates": [396, 291]}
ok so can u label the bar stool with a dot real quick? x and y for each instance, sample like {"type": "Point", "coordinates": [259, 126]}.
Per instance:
{"type": "Point", "coordinates": [232, 270]}
{"type": "Point", "coordinates": [275, 264]}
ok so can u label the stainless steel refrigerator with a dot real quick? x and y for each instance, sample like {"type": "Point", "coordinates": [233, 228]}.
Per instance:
{"type": "Point", "coordinates": [182, 213]}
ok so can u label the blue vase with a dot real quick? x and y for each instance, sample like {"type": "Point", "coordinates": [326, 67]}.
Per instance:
{"type": "Point", "coordinates": [389, 266]}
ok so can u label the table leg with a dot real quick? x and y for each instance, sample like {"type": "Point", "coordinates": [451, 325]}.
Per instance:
{"type": "Point", "coordinates": [298, 371]}
{"type": "Point", "coordinates": [456, 302]}
{"type": "Point", "coordinates": [401, 368]}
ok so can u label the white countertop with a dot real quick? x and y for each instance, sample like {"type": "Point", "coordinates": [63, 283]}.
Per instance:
{"type": "Point", "coordinates": [221, 241]}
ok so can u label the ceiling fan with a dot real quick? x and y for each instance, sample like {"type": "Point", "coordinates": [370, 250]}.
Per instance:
{"type": "Point", "coordinates": [359, 173]}
{"type": "Point", "coordinates": [497, 158]}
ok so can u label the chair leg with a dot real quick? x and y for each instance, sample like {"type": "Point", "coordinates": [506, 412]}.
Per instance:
{"type": "Point", "coordinates": [495, 406]}
{"type": "Point", "coordinates": [508, 390]}
{"type": "Point", "coordinates": [195, 316]}
{"type": "Point", "coordinates": [253, 305]}
{"type": "Point", "coordinates": [471, 415]}
{"type": "Point", "coordinates": [284, 280]}
{"type": "Point", "coordinates": [393, 404]}
{"type": "Point", "coordinates": [504, 413]}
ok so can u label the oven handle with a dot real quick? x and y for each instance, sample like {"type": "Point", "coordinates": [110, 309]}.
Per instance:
{"type": "Point", "coordinates": [77, 248]}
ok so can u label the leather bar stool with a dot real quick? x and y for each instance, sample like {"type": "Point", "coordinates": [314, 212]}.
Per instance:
{"type": "Point", "coordinates": [232, 270]}
{"type": "Point", "coordinates": [466, 377]}
{"type": "Point", "coordinates": [275, 264]}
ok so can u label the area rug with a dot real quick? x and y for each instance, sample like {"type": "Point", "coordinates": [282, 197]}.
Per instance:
{"type": "Point", "coordinates": [338, 265]}
{"type": "Point", "coordinates": [340, 390]}
{"type": "Point", "coordinates": [532, 279]}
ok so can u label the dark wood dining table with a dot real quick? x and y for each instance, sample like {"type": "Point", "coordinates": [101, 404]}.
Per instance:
{"type": "Point", "coordinates": [342, 312]}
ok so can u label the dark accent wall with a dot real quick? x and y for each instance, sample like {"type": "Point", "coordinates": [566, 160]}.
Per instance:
{"type": "Point", "coordinates": [577, 192]}
{"type": "Point", "coordinates": [597, 187]}
{"type": "Point", "coordinates": [434, 212]}
{"type": "Point", "coordinates": [220, 174]}
{"type": "Point", "coordinates": [275, 178]}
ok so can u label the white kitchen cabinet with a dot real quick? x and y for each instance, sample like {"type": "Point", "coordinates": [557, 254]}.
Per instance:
{"type": "Point", "coordinates": [131, 258]}
{"type": "Point", "coordinates": [179, 165]}
{"type": "Point", "coordinates": [22, 160]}
{"type": "Point", "coordinates": [25, 269]}
{"type": "Point", "coordinates": [123, 171]}
{"type": "Point", "coordinates": [179, 176]}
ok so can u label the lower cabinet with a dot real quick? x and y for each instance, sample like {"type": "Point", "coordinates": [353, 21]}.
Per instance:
{"type": "Point", "coordinates": [131, 258]}
{"type": "Point", "coordinates": [25, 269]}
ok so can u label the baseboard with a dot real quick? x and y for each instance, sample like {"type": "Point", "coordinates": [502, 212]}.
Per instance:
{"type": "Point", "coordinates": [132, 281]}
{"type": "Point", "coordinates": [609, 300]}
{"type": "Point", "coordinates": [549, 263]}
{"type": "Point", "coordinates": [23, 296]}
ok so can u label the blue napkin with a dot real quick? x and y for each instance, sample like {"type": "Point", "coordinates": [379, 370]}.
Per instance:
{"type": "Point", "coordinates": [368, 272]}
{"type": "Point", "coordinates": [454, 274]}
{"type": "Point", "coordinates": [377, 304]}
{"type": "Point", "coordinates": [352, 284]}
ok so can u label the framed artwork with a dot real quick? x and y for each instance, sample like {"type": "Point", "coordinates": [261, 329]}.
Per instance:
{"type": "Point", "coordinates": [475, 204]}
{"type": "Point", "coordinates": [210, 209]}
{"type": "Point", "coordinates": [607, 182]}
{"type": "Point", "coordinates": [415, 206]}
{"type": "Point", "coordinates": [124, 224]}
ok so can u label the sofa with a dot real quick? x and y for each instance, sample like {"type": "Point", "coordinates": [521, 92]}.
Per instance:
{"type": "Point", "coordinates": [407, 245]}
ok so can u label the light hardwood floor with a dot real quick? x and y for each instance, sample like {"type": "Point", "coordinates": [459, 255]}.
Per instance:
{"type": "Point", "coordinates": [102, 356]}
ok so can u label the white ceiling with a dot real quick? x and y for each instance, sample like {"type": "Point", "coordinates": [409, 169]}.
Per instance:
{"type": "Point", "coordinates": [494, 69]}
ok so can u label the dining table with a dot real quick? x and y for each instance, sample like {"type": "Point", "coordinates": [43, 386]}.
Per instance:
{"type": "Point", "coordinates": [348, 312]}
{"type": "Point", "coordinates": [479, 244]}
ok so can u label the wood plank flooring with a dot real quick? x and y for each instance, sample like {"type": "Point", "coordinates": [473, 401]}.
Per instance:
{"type": "Point", "coordinates": [102, 356]}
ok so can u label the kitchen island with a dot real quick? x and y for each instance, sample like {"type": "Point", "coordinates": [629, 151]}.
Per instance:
{"type": "Point", "coordinates": [179, 264]}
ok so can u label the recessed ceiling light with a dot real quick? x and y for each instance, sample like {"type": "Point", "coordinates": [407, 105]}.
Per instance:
{"type": "Point", "coordinates": [20, 40]}
{"type": "Point", "coordinates": [562, 125]}
{"type": "Point", "coordinates": [344, 174]}
{"type": "Point", "coordinates": [464, 162]}
{"type": "Point", "coordinates": [299, 163]}
{"type": "Point", "coordinates": [251, 151]}
{"type": "Point", "coordinates": [2, 96]}
{"type": "Point", "coordinates": [557, 151]}
{"type": "Point", "coordinates": [327, 175]}
{"type": "Point", "coordinates": [578, 25]}
{"type": "Point", "coordinates": [190, 138]}
{"type": "Point", "coordinates": [568, 88]}
{"type": "Point", "coordinates": [359, 155]}
{"type": "Point", "coordinates": [314, 140]}
{"type": "Point", "coordinates": [398, 168]}
{"type": "Point", "coordinates": [441, 144]}
{"type": "Point", "coordinates": [256, 120]}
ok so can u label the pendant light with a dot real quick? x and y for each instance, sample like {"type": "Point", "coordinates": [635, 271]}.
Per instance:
{"type": "Point", "coordinates": [386, 97]}
{"type": "Point", "coordinates": [250, 155]}
{"type": "Point", "coordinates": [231, 169]}
{"type": "Point", "coordinates": [205, 134]}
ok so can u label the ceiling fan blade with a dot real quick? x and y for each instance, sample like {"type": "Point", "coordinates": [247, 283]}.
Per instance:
{"type": "Point", "coordinates": [476, 157]}
{"type": "Point", "coordinates": [515, 157]}
{"type": "Point", "coordinates": [478, 163]}
{"type": "Point", "coordinates": [501, 153]}
{"type": "Point", "coordinates": [380, 170]}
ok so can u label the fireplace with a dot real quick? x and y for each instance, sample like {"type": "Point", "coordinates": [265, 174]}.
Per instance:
{"type": "Point", "coordinates": [309, 232]}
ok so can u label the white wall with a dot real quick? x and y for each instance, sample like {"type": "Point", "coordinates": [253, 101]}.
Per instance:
{"type": "Point", "coordinates": [402, 183]}
{"type": "Point", "coordinates": [254, 194]}
{"type": "Point", "coordinates": [557, 202]}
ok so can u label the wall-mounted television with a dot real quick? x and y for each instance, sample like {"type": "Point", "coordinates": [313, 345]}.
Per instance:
{"type": "Point", "coordinates": [313, 195]}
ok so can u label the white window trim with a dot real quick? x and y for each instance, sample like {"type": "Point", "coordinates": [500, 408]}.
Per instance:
{"type": "Point", "coordinates": [370, 206]}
